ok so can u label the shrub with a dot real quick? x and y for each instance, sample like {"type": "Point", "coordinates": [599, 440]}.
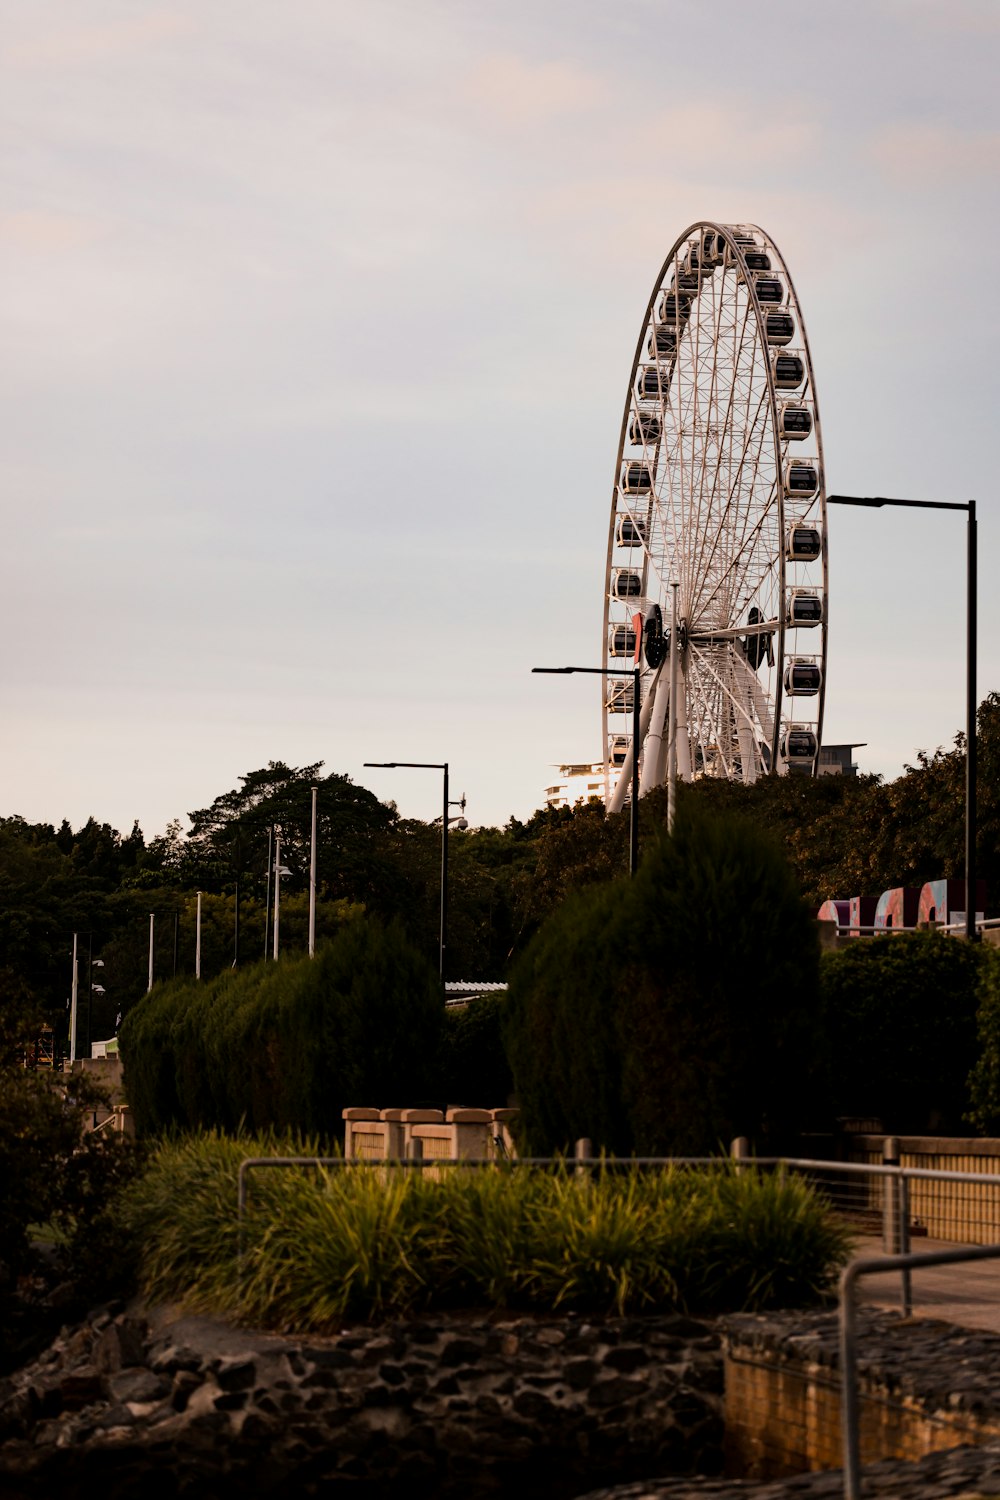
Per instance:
{"type": "Point", "coordinates": [322, 1245]}
{"type": "Point", "coordinates": [288, 1044]}
{"type": "Point", "coordinates": [52, 1173]}
{"type": "Point", "coordinates": [900, 1015]}
{"type": "Point", "coordinates": [667, 1013]}
{"type": "Point", "coordinates": [473, 1065]}
{"type": "Point", "coordinates": [984, 1079]}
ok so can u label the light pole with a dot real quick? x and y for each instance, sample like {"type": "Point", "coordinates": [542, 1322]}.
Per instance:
{"type": "Point", "coordinates": [876, 502]}
{"type": "Point", "coordinates": [430, 765]}
{"type": "Point", "coordinates": [279, 870]}
{"type": "Point", "coordinates": [633, 853]}
{"type": "Point", "coordinates": [197, 938]}
{"type": "Point", "coordinates": [312, 876]}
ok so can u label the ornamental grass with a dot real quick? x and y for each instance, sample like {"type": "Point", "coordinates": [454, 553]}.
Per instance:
{"type": "Point", "coordinates": [360, 1242]}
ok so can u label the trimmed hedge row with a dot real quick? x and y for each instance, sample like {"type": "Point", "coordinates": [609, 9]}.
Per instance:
{"type": "Point", "coordinates": [288, 1045]}
{"type": "Point", "coordinates": [667, 1013]}
{"type": "Point", "coordinates": [900, 1022]}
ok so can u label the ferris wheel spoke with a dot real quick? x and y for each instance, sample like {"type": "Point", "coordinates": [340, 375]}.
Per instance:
{"type": "Point", "coordinates": [732, 503]}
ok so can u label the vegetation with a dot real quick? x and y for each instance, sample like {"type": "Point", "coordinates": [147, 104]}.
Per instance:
{"type": "Point", "coordinates": [354, 1242]}
{"type": "Point", "coordinates": [473, 1066]}
{"type": "Point", "coordinates": [665, 1014]}
{"type": "Point", "coordinates": [288, 1044]}
{"type": "Point", "coordinates": [51, 1173]}
{"type": "Point", "coordinates": [984, 1080]}
{"type": "Point", "coordinates": [900, 1026]}
{"type": "Point", "coordinates": [844, 836]}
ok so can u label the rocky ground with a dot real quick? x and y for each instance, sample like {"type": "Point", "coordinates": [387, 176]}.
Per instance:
{"type": "Point", "coordinates": [132, 1405]}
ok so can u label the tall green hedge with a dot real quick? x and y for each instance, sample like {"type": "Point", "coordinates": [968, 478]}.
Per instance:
{"type": "Point", "coordinates": [288, 1044]}
{"type": "Point", "coordinates": [984, 1079]}
{"type": "Point", "coordinates": [900, 1019]}
{"type": "Point", "coordinates": [673, 1011]}
{"type": "Point", "coordinates": [473, 1065]}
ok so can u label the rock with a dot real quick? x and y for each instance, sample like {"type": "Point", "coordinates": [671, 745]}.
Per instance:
{"type": "Point", "coordinates": [136, 1385]}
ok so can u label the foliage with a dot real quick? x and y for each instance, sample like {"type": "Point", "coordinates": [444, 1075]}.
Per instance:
{"type": "Point", "coordinates": [288, 1044]}
{"type": "Point", "coordinates": [843, 836]}
{"type": "Point", "coordinates": [473, 1067]}
{"type": "Point", "coordinates": [666, 1013]}
{"type": "Point", "coordinates": [900, 1017]}
{"type": "Point", "coordinates": [356, 1242]}
{"type": "Point", "coordinates": [984, 1079]}
{"type": "Point", "coordinates": [51, 1172]}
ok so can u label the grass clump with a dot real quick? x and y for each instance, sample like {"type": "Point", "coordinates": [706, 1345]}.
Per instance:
{"type": "Point", "coordinates": [360, 1243]}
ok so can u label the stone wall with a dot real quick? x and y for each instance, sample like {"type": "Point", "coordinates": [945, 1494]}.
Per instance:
{"type": "Point", "coordinates": [443, 1407]}
{"type": "Point", "coordinates": [923, 1387]}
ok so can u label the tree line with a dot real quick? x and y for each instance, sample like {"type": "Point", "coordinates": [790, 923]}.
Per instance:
{"type": "Point", "coordinates": [842, 836]}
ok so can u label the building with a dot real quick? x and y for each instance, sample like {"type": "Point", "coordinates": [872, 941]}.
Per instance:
{"type": "Point", "coordinates": [838, 760]}
{"type": "Point", "coordinates": [576, 784]}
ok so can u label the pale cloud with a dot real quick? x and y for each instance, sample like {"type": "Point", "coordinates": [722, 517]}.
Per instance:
{"type": "Point", "coordinates": [38, 233]}
{"type": "Point", "coordinates": [918, 152]}
{"type": "Point", "coordinates": [60, 46]}
{"type": "Point", "coordinates": [519, 92]}
{"type": "Point", "coordinates": [974, 17]}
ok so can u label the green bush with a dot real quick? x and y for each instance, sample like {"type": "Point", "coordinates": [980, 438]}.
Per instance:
{"type": "Point", "coordinates": [668, 1013]}
{"type": "Point", "coordinates": [900, 1016]}
{"type": "Point", "coordinates": [53, 1174]}
{"type": "Point", "coordinates": [288, 1044]}
{"type": "Point", "coordinates": [984, 1078]}
{"type": "Point", "coordinates": [322, 1245]}
{"type": "Point", "coordinates": [473, 1066]}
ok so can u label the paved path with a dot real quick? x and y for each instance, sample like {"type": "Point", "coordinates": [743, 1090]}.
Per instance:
{"type": "Point", "coordinates": [966, 1294]}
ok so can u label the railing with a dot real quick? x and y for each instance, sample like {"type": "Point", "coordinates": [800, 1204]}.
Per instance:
{"type": "Point", "coordinates": [867, 1266]}
{"type": "Point", "coordinates": [850, 929]}
{"type": "Point", "coordinates": [837, 1180]}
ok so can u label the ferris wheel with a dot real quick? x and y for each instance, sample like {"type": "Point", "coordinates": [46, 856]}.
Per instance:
{"type": "Point", "coordinates": [719, 491]}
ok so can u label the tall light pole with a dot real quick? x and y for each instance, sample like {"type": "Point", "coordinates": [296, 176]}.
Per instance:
{"type": "Point", "coordinates": [74, 997]}
{"type": "Point", "coordinates": [633, 856]}
{"type": "Point", "coordinates": [312, 878]}
{"type": "Point", "coordinates": [277, 887]}
{"type": "Point", "coordinates": [876, 502]}
{"type": "Point", "coordinates": [430, 765]}
{"type": "Point", "coordinates": [197, 938]}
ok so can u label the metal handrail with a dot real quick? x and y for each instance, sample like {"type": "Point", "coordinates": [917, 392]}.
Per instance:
{"type": "Point", "coordinates": [867, 1266]}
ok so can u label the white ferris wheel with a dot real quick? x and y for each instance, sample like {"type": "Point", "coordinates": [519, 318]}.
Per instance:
{"type": "Point", "coordinates": [719, 490]}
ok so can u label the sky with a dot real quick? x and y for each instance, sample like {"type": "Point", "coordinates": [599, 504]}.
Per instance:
{"type": "Point", "coordinates": [318, 323]}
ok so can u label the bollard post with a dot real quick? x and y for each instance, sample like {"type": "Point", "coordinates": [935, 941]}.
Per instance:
{"type": "Point", "coordinates": [583, 1151]}
{"type": "Point", "coordinates": [739, 1149]}
{"type": "Point", "coordinates": [890, 1206]}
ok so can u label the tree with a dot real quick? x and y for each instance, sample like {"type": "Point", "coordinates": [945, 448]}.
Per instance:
{"type": "Point", "coordinates": [900, 1016]}
{"type": "Point", "coordinates": [50, 1169]}
{"type": "Point", "coordinates": [667, 1013]}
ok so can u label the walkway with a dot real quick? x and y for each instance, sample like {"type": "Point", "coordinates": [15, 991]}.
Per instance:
{"type": "Point", "coordinates": [965, 1294]}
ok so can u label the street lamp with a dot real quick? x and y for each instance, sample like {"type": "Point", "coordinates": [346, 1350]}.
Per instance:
{"type": "Point", "coordinates": [633, 857]}
{"type": "Point", "coordinates": [430, 765]}
{"type": "Point", "coordinates": [875, 502]}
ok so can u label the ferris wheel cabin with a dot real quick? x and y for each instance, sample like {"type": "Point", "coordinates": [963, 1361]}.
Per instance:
{"type": "Point", "coordinates": [629, 532]}
{"type": "Point", "coordinates": [789, 370]}
{"type": "Point", "coordinates": [805, 607]}
{"type": "Point", "coordinates": [803, 544]}
{"type": "Point", "coordinates": [803, 677]}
